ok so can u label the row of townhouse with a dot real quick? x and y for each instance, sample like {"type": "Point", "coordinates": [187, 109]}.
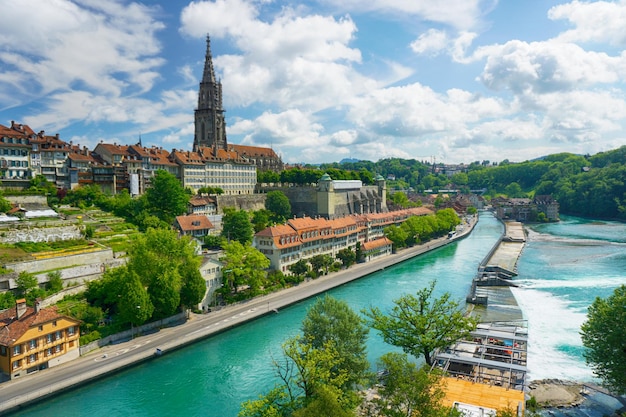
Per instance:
{"type": "Point", "coordinates": [306, 237]}
{"type": "Point", "coordinates": [25, 154]}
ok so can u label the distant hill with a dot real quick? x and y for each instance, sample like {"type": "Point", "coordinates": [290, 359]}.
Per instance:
{"type": "Point", "coordinates": [349, 160]}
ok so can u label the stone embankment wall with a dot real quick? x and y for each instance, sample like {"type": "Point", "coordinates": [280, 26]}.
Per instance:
{"type": "Point", "coordinates": [74, 269]}
{"type": "Point", "coordinates": [62, 262]}
{"type": "Point", "coordinates": [303, 198]}
{"type": "Point", "coordinates": [129, 334]}
{"type": "Point", "coordinates": [25, 233]}
{"type": "Point", "coordinates": [241, 202]}
{"type": "Point", "coordinates": [40, 200]}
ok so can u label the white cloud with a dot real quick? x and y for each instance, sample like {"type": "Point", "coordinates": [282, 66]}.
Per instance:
{"type": "Point", "coordinates": [598, 21]}
{"type": "Point", "coordinates": [291, 128]}
{"type": "Point", "coordinates": [415, 110]}
{"type": "Point", "coordinates": [460, 14]}
{"type": "Point", "coordinates": [291, 61]}
{"type": "Point", "coordinates": [547, 66]}
{"type": "Point", "coordinates": [82, 60]}
{"type": "Point", "coordinates": [432, 41]}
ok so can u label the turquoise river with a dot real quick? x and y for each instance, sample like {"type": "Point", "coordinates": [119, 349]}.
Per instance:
{"type": "Point", "coordinates": [562, 269]}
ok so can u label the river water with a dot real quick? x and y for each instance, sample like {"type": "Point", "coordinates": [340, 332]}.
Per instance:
{"type": "Point", "coordinates": [562, 269]}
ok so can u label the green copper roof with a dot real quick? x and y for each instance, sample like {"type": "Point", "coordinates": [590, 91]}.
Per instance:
{"type": "Point", "coordinates": [379, 178]}
{"type": "Point", "coordinates": [325, 177]}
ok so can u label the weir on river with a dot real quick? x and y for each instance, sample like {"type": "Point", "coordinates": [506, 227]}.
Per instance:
{"type": "Point", "coordinates": [494, 277]}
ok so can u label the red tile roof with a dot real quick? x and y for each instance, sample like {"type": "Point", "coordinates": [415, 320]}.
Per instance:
{"type": "Point", "coordinates": [193, 222]}
{"type": "Point", "coordinates": [201, 201]}
{"type": "Point", "coordinates": [282, 235]}
{"type": "Point", "coordinates": [11, 328]}
{"type": "Point", "coordinates": [244, 150]}
{"type": "Point", "coordinates": [374, 244]}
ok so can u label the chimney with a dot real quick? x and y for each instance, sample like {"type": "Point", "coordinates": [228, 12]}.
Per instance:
{"type": "Point", "coordinates": [20, 307]}
{"type": "Point", "coordinates": [37, 305]}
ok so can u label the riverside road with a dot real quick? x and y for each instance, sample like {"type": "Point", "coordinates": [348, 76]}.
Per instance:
{"type": "Point", "coordinates": [111, 358]}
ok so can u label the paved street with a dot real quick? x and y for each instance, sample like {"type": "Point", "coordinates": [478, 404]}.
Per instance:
{"type": "Point", "coordinates": [118, 356]}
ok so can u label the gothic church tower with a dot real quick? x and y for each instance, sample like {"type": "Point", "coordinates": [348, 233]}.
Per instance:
{"type": "Point", "coordinates": [209, 116]}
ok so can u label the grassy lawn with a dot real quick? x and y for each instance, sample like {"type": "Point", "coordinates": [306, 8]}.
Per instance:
{"type": "Point", "coordinates": [10, 253]}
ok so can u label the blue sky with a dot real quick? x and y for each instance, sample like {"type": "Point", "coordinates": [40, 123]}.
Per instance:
{"type": "Point", "coordinates": [453, 81]}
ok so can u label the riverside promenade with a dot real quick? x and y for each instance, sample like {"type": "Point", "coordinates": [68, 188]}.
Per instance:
{"type": "Point", "coordinates": [112, 358]}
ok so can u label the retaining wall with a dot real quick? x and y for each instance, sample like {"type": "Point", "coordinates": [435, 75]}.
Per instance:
{"type": "Point", "coordinates": [129, 334]}
{"type": "Point", "coordinates": [61, 262]}
{"type": "Point", "coordinates": [15, 233]}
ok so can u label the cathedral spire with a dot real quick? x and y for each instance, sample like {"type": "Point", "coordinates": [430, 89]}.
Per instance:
{"type": "Point", "coordinates": [209, 73]}
{"type": "Point", "coordinates": [209, 116]}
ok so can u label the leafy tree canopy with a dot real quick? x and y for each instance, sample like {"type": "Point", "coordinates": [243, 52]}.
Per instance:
{"type": "Point", "coordinates": [166, 197]}
{"type": "Point", "coordinates": [407, 390]}
{"type": "Point", "coordinates": [330, 319]}
{"type": "Point", "coordinates": [420, 324]}
{"type": "Point", "coordinates": [244, 265]}
{"type": "Point", "coordinates": [278, 204]}
{"type": "Point", "coordinates": [604, 336]}
{"type": "Point", "coordinates": [236, 225]}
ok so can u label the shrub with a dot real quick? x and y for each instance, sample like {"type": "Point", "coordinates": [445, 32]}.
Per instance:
{"type": "Point", "coordinates": [90, 337]}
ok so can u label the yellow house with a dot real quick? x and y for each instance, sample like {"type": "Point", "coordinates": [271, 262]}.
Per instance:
{"type": "Point", "coordinates": [34, 338]}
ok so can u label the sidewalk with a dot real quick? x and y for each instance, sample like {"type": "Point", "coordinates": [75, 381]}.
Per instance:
{"type": "Point", "coordinates": [111, 358]}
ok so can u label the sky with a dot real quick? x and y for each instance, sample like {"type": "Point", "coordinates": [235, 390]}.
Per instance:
{"type": "Point", "coordinates": [452, 81]}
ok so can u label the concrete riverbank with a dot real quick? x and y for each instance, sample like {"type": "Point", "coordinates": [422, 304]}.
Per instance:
{"type": "Point", "coordinates": [109, 359]}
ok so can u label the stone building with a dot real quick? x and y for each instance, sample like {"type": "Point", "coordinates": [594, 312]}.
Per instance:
{"type": "Point", "coordinates": [526, 209]}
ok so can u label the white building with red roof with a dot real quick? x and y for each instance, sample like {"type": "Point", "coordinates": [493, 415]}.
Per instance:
{"type": "Point", "coordinates": [305, 237]}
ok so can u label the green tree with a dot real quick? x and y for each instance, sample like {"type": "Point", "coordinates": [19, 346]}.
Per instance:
{"type": "Point", "coordinates": [397, 235]}
{"type": "Point", "coordinates": [261, 219]}
{"type": "Point", "coordinates": [5, 205]}
{"type": "Point", "coordinates": [40, 183]}
{"type": "Point", "coordinates": [300, 268]}
{"type": "Point", "coordinates": [134, 304]}
{"type": "Point", "coordinates": [421, 324]}
{"type": "Point", "coordinates": [164, 291]}
{"type": "Point", "coordinates": [210, 190]}
{"type": "Point", "coordinates": [236, 225]}
{"type": "Point", "coordinates": [400, 199]}
{"type": "Point", "coordinates": [84, 196]}
{"type": "Point", "coordinates": [320, 262]}
{"type": "Point", "coordinates": [7, 300]}
{"type": "Point", "coordinates": [307, 384]}
{"type": "Point", "coordinates": [214, 241]}
{"type": "Point", "coordinates": [165, 263]}
{"type": "Point", "coordinates": [604, 336]}
{"type": "Point", "coordinates": [278, 204]}
{"type": "Point", "coordinates": [193, 286]}
{"type": "Point", "coordinates": [407, 390]}
{"type": "Point", "coordinates": [347, 257]}
{"type": "Point", "coordinates": [243, 265]}
{"type": "Point", "coordinates": [513, 190]}
{"type": "Point", "coordinates": [89, 231]}
{"type": "Point", "coordinates": [25, 283]}
{"type": "Point", "coordinates": [330, 319]}
{"type": "Point", "coordinates": [166, 197]}
{"type": "Point", "coordinates": [55, 282]}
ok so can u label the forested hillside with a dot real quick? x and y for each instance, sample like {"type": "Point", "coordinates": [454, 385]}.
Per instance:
{"type": "Point", "coordinates": [588, 186]}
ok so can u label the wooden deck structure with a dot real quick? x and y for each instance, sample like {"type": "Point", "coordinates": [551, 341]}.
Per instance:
{"type": "Point", "coordinates": [488, 371]}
